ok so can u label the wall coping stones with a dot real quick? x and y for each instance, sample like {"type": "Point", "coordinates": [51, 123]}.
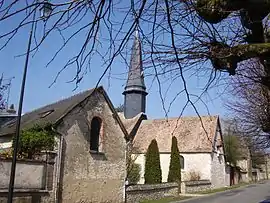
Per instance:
{"type": "Point", "coordinates": [138, 193]}
{"type": "Point", "coordinates": [143, 187]}
{"type": "Point", "coordinates": [24, 191]}
{"type": "Point", "coordinates": [197, 182]}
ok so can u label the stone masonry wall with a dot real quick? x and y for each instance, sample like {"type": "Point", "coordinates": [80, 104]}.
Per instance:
{"type": "Point", "coordinates": [218, 166]}
{"type": "Point", "coordinates": [137, 193]}
{"type": "Point", "coordinates": [195, 186]}
{"type": "Point", "coordinates": [28, 175]}
{"type": "Point", "coordinates": [33, 181]}
{"type": "Point", "coordinates": [87, 176]}
{"type": "Point", "coordinates": [28, 196]}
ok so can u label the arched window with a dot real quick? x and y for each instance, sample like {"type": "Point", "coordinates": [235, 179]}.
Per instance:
{"type": "Point", "coordinates": [182, 162]}
{"type": "Point", "coordinates": [95, 134]}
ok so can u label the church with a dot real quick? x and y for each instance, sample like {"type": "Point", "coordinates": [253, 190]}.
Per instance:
{"type": "Point", "coordinates": [90, 156]}
{"type": "Point", "coordinates": [200, 139]}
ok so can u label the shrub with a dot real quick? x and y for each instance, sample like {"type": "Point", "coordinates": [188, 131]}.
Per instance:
{"type": "Point", "coordinates": [34, 140]}
{"type": "Point", "coordinates": [194, 175]}
{"type": "Point", "coordinates": [152, 173]}
{"type": "Point", "coordinates": [133, 176]}
{"type": "Point", "coordinates": [6, 153]}
{"type": "Point", "coordinates": [175, 166]}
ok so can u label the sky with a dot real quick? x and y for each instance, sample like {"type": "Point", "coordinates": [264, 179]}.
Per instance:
{"type": "Point", "coordinates": [39, 78]}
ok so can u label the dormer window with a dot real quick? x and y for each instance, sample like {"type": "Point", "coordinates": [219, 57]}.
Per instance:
{"type": "Point", "coordinates": [46, 113]}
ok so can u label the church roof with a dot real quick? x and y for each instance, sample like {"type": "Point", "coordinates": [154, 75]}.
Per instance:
{"type": "Point", "coordinates": [53, 113]}
{"type": "Point", "coordinates": [50, 113]}
{"type": "Point", "coordinates": [193, 134]}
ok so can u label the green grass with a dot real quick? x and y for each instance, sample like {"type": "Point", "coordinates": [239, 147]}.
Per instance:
{"type": "Point", "coordinates": [222, 189]}
{"type": "Point", "coordinates": [165, 200]}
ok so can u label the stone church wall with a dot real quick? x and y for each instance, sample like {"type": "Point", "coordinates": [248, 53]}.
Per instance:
{"type": "Point", "coordinates": [218, 167]}
{"type": "Point", "coordinates": [87, 176]}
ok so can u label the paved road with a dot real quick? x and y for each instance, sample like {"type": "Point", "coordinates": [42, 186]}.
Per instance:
{"type": "Point", "coordinates": [254, 193]}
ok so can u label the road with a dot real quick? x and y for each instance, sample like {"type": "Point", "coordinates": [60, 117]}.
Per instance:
{"type": "Point", "coordinates": [254, 193]}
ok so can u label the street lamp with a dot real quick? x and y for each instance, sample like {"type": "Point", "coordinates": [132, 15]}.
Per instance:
{"type": "Point", "coordinates": [47, 9]}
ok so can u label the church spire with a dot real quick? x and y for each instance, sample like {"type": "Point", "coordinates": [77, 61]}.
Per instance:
{"type": "Point", "coordinates": [135, 90]}
{"type": "Point", "coordinates": [135, 75]}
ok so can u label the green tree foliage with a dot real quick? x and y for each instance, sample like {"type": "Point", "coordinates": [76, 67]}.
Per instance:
{"type": "Point", "coordinates": [152, 173]}
{"type": "Point", "coordinates": [133, 176]}
{"type": "Point", "coordinates": [232, 149]}
{"type": "Point", "coordinates": [35, 140]}
{"type": "Point", "coordinates": [175, 165]}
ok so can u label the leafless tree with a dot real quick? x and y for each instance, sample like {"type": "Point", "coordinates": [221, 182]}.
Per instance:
{"type": "Point", "coordinates": [250, 103]}
{"type": "Point", "coordinates": [4, 91]}
{"type": "Point", "coordinates": [241, 144]}
{"type": "Point", "coordinates": [181, 38]}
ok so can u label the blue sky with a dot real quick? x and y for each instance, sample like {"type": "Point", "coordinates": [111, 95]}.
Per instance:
{"type": "Point", "coordinates": [40, 77]}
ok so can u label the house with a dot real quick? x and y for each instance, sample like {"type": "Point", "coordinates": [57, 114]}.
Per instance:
{"type": "Point", "coordinates": [241, 170]}
{"type": "Point", "coordinates": [90, 150]}
{"type": "Point", "coordinates": [6, 116]}
{"type": "Point", "coordinates": [244, 164]}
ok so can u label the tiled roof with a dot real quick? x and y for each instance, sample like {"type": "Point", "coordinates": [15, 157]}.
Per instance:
{"type": "Point", "coordinates": [48, 114]}
{"type": "Point", "coordinates": [193, 134]}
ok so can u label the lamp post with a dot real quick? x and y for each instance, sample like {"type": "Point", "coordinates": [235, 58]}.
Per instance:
{"type": "Point", "coordinates": [47, 9]}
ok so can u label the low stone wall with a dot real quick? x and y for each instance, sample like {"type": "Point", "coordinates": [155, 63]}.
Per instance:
{"type": "Point", "coordinates": [33, 180]}
{"type": "Point", "coordinates": [137, 193]}
{"type": "Point", "coordinates": [28, 196]}
{"type": "Point", "coordinates": [29, 175]}
{"type": "Point", "coordinates": [195, 186]}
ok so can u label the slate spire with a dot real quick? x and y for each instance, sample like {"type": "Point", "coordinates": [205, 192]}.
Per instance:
{"type": "Point", "coordinates": [135, 90]}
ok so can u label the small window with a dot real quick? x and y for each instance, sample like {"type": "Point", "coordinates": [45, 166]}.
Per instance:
{"type": "Point", "coordinates": [182, 162]}
{"type": "Point", "coordinates": [95, 134]}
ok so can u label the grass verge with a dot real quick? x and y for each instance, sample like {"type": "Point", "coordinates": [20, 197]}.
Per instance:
{"type": "Point", "coordinates": [166, 200]}
{"type": "Point", "coordinates": [222, 189]}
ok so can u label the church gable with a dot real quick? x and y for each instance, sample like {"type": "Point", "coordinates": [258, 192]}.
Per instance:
{"type": "Point", "coordinates": [218, 144]}
{"type": "Point", "coordinates": [96, 121]}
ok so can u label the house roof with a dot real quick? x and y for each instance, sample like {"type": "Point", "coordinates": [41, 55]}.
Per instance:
{"type": "Point", "coordinates": [193, 134]}
{"type": "Point", "coordinates": [54, 112]}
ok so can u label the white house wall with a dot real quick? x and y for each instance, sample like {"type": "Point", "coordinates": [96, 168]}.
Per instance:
{"type": "Point", "coordinates": [198, 162]}
{"type": "Point", "coordinates": [5, 143]}
{"type": "Point", "coordinates": [140, 159]}
{"type": "Point", "coordinates": [243, 164]}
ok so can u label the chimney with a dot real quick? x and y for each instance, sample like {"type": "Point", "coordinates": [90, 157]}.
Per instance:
{"type": "Point", "coordinates": [11, 109]}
